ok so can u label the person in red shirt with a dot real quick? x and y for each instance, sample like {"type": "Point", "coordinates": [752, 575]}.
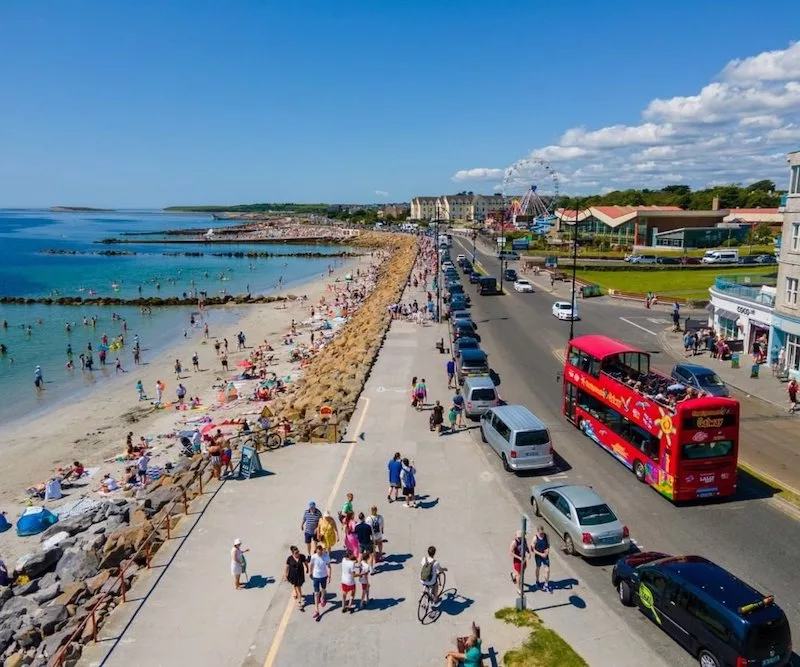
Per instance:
{"type": "Point", "coordinates": [791, 389]}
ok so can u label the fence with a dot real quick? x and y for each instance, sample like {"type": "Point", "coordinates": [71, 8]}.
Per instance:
{"type": "Point", "coordinates": [144, 550]}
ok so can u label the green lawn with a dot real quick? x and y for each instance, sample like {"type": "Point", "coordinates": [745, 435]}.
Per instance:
{"type": "Point", "coordinates": [543, 648]}
{"type": "Point", "coordinates": [686, 283]}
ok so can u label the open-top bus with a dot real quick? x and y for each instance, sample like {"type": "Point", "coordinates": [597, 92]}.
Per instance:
{"type": "Point", "coordinates": [683, 444]}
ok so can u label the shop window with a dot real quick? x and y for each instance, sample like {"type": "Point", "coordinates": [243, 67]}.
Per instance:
{"type": "Point", "coordinates": [728, 328]}
{"type": "Point", "coordinates": [795, 245]}
{"type": "Point", "coordinates": [793, 352]}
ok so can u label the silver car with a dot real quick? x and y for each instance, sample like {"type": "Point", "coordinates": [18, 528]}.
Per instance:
{"type": "Point", "coordinates": [582, 518]}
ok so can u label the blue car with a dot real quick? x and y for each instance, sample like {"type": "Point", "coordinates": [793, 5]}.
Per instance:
{"type": "Point", "coordinates": [700, 377]}
{"type": "Point", "coordinates": [474, 277]}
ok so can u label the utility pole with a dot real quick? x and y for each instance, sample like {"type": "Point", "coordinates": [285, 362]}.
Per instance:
{"type": "Point", "coordinates": [474, 236]}
{"type": "Point", "coordinates": [574, 270]}
{"type": "Point", "coordinates": [521, 599]}
{"type": "Point", "coordinates": [501, 249]}
{"type": "Point", "coordinates": [438, 270]}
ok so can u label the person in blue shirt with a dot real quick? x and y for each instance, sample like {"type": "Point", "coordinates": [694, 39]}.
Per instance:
{"type": "Point", "coordinates": [395, 466]}
{"type": "Point", "coordinates": [451, 372]}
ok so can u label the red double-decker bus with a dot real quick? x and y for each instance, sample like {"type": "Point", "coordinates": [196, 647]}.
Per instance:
{"type": "Point", "coordinates": [683, 444]}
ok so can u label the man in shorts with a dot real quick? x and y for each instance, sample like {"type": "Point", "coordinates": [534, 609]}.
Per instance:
{"type": "Point", "coordinates": [363, 532]}
{"type": "Point", "coordinates": [520, 555]}
{"type": "Point", "coordinates": [395, 466]}
{"type": "Point", "coordinates": [431, 567]}
{"type": "Point", "coordinates": [309, 524]}
{"type": "Point", "coordinates": [451, 372]}
{"type": "Point", "coordinates": [541, 555]}
{"type": "Point", "coordinates": [321, 577]}
{"type": "Point", "coordinates": [375, 522]}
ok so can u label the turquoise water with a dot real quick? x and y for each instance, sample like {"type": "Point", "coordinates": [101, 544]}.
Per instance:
{"type": "Point", "coordinates": [37, 334]}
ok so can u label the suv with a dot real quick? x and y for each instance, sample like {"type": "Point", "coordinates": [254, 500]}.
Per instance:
{"type": "Point", "coordinates": [471, 362]}
{"type": "Point", "coordinates": [715, 616]}
{"type": "Point", "coordinates": [643, 259]}
{"type": "Point", "coordinates": [510, 275]}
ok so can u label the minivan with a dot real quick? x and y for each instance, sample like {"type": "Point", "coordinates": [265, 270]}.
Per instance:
{"type": "Point", "coordinates": [487, 285]}
{"type": "Point", "coordinates": [643, 259]}
{"type": "Point", "coordinates": [720, 257]}
{"type": "Point", "coordinates": [714, 615]}
{"type": "Point", "coordinates": [479, 394]}
{"type": "Point", "coordinates": [519, 437]}
{"type": "Point", "coordinates": [471, 362]}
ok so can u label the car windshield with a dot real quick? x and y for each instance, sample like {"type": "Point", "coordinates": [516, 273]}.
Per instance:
{"type": "Point", "coordinates": [563, 306]}
{"type": "Point", "coordinates": [706, 450]}
{"type": "Point", "coordinates": [595, 515]}
{"type": "Point", "coordinates": [709, 380]}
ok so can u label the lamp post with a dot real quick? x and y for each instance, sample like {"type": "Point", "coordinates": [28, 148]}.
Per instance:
{"type": "Point", "coordinates": [501, 248]}
{"type": "Point", "coordinates": [574, 270]}
{"type": "Point", "coordinates": [474, 236]}
{"type": "Point", "coordinates": [438, 270]}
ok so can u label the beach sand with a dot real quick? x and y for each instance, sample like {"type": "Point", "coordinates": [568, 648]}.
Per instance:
{"type": "Point", "coordinates": [93, 430]}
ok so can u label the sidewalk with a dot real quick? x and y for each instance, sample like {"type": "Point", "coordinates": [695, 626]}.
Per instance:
{"type": "Point", "coordinates": [193, 616]}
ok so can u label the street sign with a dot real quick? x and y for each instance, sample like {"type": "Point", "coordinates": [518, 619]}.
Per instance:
{"type": "Point", "coordinates": [326, 411]}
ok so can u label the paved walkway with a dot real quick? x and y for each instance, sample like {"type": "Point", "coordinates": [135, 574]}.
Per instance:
{"type": "Point", "coordinates": [193, 616]}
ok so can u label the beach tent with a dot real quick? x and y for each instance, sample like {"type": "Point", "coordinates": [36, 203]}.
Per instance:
{"type": "Point", "coordinates": [34, 520]}
{"type": "Point", "coordinates": [4, 524]}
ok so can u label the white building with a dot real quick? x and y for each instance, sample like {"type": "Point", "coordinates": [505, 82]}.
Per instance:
{"type": "Point", "coordinates": [741, 308]}
{"type": "Point", "coordinates": [463, 207]}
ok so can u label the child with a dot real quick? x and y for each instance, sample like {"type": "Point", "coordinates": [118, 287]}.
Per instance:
{"type": "Point", "coordinates": [362, 569]}
{"type": "Point", "coordinates": [227, 456]}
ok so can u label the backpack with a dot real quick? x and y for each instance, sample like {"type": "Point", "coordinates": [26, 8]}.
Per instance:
{"type": "Point", "coordinates": [375, 522]}
{"type": "Point", "coordinates": [426, 574]}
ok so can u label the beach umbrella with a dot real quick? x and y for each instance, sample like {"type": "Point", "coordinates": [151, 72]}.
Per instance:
{"type": "Point", "coordinates": [207, 428]}
{"type": "Point", "coordinates": [245, 364]}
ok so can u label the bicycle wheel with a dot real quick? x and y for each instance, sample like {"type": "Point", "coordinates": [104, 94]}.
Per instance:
{"type": "Point", "coordinates": [424, 606]}
{"type": "Point", "coordinates": [273, 441]}
{"type": "Point", "coordinates": [441, 580]}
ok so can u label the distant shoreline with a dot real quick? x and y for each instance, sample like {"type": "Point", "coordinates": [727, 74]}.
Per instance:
{"type": "Point", "coordinates": [79, 209]}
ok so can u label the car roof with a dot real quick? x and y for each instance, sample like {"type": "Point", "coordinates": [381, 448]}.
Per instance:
{"type": "Point", "coordinates": [480, 382]}
{"type": "Point", "coordinates": [719, 584]}
{"type": "Point", "coordinates": [697, 369]}
{"type": "Point", "coordinates": [578, 495]}
{"type": "Point", "coordinates": [523, 280]}
{"type": "Point", "coordinates": [460, 342]}
{"type": "Point", "coordinates": [518, 417]}
{"type": "Point", "coordinates": [473, 355]}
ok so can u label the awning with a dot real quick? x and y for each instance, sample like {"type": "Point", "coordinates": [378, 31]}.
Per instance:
{"type": "Point", "coordinates": [728, 315]}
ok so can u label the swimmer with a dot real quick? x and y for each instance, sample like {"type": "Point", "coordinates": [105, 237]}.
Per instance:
{"type": "Point", "coordinates": [3, 349]}
{"type": "Point", "coordinates": [5, 324]}
{"type": "Point", "coordinates": [69, 352]}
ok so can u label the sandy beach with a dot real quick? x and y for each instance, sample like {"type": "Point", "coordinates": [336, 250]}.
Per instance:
{"type": "Point", "coordinates": [93, 430]}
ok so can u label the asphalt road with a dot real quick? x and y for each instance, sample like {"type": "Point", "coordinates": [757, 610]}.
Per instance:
{"type": "Point", "coordinates": [749, 535]}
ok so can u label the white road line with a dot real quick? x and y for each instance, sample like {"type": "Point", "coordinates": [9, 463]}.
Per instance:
{"type": "Point", "coordinates": [639, 326]}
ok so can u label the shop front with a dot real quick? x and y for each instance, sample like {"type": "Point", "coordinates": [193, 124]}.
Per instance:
{"type": "Point", "coordinates": [785, 344]}
{"type": "Point", "coordinates": [741, 319]}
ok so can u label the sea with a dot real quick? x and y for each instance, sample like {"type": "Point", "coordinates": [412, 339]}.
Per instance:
{"type": "Point", "coordinates": [39, 334]}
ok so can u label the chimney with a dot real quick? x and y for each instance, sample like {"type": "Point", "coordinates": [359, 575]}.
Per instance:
{"type": "Point", "coordinates": [715, 203]}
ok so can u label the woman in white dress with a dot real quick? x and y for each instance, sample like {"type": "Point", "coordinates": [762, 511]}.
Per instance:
{"type": "Point", "coordinates": [238, 566]}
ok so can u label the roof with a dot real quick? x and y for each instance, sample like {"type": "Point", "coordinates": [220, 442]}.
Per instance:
{"type": "Point", "coordinates": [518, 417]}
{"type": "Point", "coordinates": [613, 216]}
{"type": "Point", "coordinates": [479, 382]}
{"type": "Point", "coordinates": [602, 346]}
{"type": "Point", "coordinates": [473, 355]}
{"type": "Point", "coordinates": [695, 368]}
{"type": "Point", "coordinates": [580, 496]}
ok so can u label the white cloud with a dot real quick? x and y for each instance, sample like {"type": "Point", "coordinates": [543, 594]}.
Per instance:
{"type": "Point", "coordinates": [381, 193]}
{"type": "Point", "coordinates": [478, 174]}
{"type": "Point", "coordinates": [782, 65]}
{"type": "Point", "coordinates": [736, 128]}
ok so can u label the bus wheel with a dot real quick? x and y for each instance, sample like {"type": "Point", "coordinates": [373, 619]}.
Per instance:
{"type": "Point", "coordinates": [638, 470]}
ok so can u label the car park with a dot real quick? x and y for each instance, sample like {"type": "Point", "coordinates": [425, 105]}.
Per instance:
{"type": "Point", "coordinates": [471, 362]}
{"type": "Point", "coordinates": [700, 377]}
{"type": "Point", "coordinates": [519, 437]}
{"type": "Point", "coordinates": [474, 277]}
{"type": "Point", "coordinates": [523, 285]}
{"type": "Point", "coordinates": [563, 310]}
{"type": "Point", "coordinates": [480, 395]}
{"type": "Point", "coordinates": [718, 618]}
{"type": "Point", "coordinates": [581, 518]}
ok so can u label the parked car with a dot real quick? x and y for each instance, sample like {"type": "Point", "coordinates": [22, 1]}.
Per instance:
{"type": "Point", "coordinates": [714, 615]}
{"type": "Point", "coordinates": [700, 377]}
{"type": "Point", "coordinates": [460, 258]}
{"type": "Point", "coordinates": [748, 259]}
{"type": "Point", "coordinates": [667, 260]}
{"type": "Point", "coordinates": [582, 519]}
{"type": "Point", "coordinates": [519, 437]}
{"type": "Point", "coordinates": [522, 285]}
{"type": "Point", "coordinates": [464, 328]}
{"type": "Point", "coordinates": [465, 343]}
{"type": "Point", "coordinates": [510, 275]}
{"type": "Point", "coordinates": [467, 267]}
{"type": "Point", "coordinates": [766, 259]}
{"type": "Point", "coordinates": [508, 255]}
{"type": "Point", "coordinates": [474, 277]}
{"type": "Point", "coordinates": [471, 362]}
{"type": "Point", "coordinates": [690, 260]}
{"type": "Point", "coordinates": [460, 314]}
{"type": "Point", "coordinates": [480, 394]}
{"type": "Point", "coordinates": [643, 259]}
{"type": "Point", "coordinates": [563, 310]}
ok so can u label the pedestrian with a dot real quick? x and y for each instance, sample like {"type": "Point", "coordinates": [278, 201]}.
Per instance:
{"type": "Point", "coordinates": [541, 555]}
{"type": "Point", "coordinates": [320, 565]}
{"type": "Point", "coordinates": [375, 521]}
{"type": "Point", "coordinates": [422, 394]}
{"type": "Point", "coordinates": [141, 467]}
{"type": "Point", "coordinates": [295, 573]}
{"type": "Point", "coordinates": [227, 458]}
{"type": "Point", "coordinates": [178, 368]}
{"type": "Point", "coordinates": [452, 417]}
{"type": "Point", "coordinates": [688, 344]}
{"type": "Point", "coordinates": [451, 372]}
{"type": "Point", "coordinates": [648, 300]}
{"type": "Point", "coordinates": [327, 532]}
{"type": "Point", "coordinates": [159, 392]}
{"type": "Point", "coordinates": [676, 316]}
{"type": "Point", "coordinates": [309, 525]}
{"type": "Point", "coordinates": [223, 359]}
{"type": "Point", "coordinates": [409, 483]}
{"type": "Point", "coordinates": [395, 466]}
{"type": "Point", "coordinates": [363, 569]}
{"type": "Point", "coordinates": [350, 538]}
{"type": "Point", "coordinates": [118, 366]}
{"type": "Point", "coordinates": [347, 507]}
{"type": "Point", "coordinates": [348, 582]}
{"type": "Point", "coordinates": [437, 418]}
{"type": "Point", "coordinates": [196, 362]}
{"type": "Point", "coordinates": [216, 346]}
{"type": "Point", "coordinates": [180, 392]}
{"type": "Point", "coordinates": [414, 392]}
{"type": "Point", "coordinates": [140, 390]}
{"type": "Point", "coordinates": [215, 456]}
{"type": "Point", "coordinates": [205, 330]}
{"type": "Point", "coordinates": [791, 389]}
{"type": "Point", "coordinates": [363, 532]}
{"type": "Point", "coordinates": [238, 563]}
{"type": "Point", "coordinates": [520, 555]}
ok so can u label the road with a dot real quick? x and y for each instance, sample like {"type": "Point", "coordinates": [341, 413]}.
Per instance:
{"type": "Point", "coordinates": [749, 535]}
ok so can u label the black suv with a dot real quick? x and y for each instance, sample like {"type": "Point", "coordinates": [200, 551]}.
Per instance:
{"type": "Point", "coordinates": [715, 616]}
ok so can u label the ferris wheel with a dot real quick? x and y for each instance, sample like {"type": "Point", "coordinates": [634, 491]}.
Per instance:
{"type": "Point", "coordinates": [530, 190]}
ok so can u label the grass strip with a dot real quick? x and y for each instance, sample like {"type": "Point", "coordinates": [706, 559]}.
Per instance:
{"type": "Point", "coordinates": [543, 647]}
{"type": "Point", "coordinates": [779, 491]}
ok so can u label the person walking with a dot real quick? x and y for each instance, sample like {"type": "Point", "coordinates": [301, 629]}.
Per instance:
{"type": "Point", "coordinates": [238, 563]}
{"type": "Point", "coordinates": [178, 368]}
{"type": "Point", "coordinates": [791, 390]}
{"type": "Point", "coordinates": [196, 362]}
{"type": "Point", "coordinates": [363, 532]}
{"type": "Point", "coordinates": [451, 373]}
{"type": "Point", "coordinates": [458, 406]}
{"type": "Point", "coordinates": [347, 507]}
{"type": "Point", "coordinates": [348, 582]}
{"type": "Point", "coordinates": [308, 525]}
{"type": "Point", "coordinates": [676, 317]}
{"type": "Point", "coordinates": [409, 483]}
{"type": "Point", "coordinates": [376, 523]}
{"type": "Point", "coordinates": [437, 418]}
{"type": "Point", "coordinates": [395, 466]}
{"type": "Point", "coordinates": [541, 555]}
{"type": "Point", "coordinates": [320, 577]}
{"type": "Point", "coordinates": [180, 392]}
{"type": "Point", "coordinates": [363, 570]}
{"type": "Point", "coordinates": [295, 573]}
{"type": "Point", "coordinates": [422, 394]}
{"type": "Point", "coordinates": [520, 555]}
{"type": "Point", "coordinates": [414, 392]}
{"type": "Point", "coordinates": [140, 390]}
{"type": "Point", "coordinates": [351, 542]}
{"type": "Point", "coordinates": [327, 533]}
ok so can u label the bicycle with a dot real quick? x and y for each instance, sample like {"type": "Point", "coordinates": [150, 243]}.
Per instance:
{"type": "Point", "coordinates": [426, 605]}
{"type": "Point", "coordinates": [266, 440]}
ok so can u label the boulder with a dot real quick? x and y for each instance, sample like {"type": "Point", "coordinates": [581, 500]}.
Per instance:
{"type": "Point", "coordinates": [96, 583]}
{"type": "Point", "coordinates": [114, 522]}
{"type": "Point", "coordinates": [16, 659]}
{"type": "Point", "coordinates": [5, 594]}
{"type": "Point", "coordinates": [50, 619]}
{"type": "Point", "coordinates": [6, 637]}
{"type": "Point", "coordinates": [55, 539]}
{"type": "Point", "coordinates": [122, 543]}
{"type": "Point", "coordinates": [71, 525]}
{"type": "Point", "coordinates": [72, 593]}
{"type": "Point", "coordinates": [36, 564]}
{"type": "Point", "coordinates": [26, 589]}
{"type": "Point", "coordinates": [46, 594]}
{"type": "Point", "coordinates": [77, 564]}
{"type": "Point", "coordinates": [55, 641]}
{"type": "Point", "coordinates": [17, 606]}
{"type": "Point", "coordinates": [159, 498]}
{"type": "Point", "coordinates": [28, 637]}
{"type": "Point", "coordinates": [47, 580]}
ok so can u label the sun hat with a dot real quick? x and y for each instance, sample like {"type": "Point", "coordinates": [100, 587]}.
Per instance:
{"type": "Point", "coordinates": [237, 542]}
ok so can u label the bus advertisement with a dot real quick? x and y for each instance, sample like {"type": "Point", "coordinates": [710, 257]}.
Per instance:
{"type": "Point", "coordinates": [683, 444]}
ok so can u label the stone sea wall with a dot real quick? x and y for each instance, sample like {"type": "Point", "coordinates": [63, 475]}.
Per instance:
{"type": "Point", "coordinates": [337, 375]}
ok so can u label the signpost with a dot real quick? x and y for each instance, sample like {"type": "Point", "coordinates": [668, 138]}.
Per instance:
{"type": "Point", "coordinates": [250, 463]}
{"type": "Point", "coordinates": [327, 414]}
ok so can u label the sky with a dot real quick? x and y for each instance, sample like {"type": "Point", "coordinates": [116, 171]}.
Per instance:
{"type": "Point", "coordinates": [155, 103]}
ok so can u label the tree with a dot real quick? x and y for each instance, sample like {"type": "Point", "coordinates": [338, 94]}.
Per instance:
{"type": "Point", "coordinates": [764, 186]}
{"type": "Point", "coordinates": [677, 189]}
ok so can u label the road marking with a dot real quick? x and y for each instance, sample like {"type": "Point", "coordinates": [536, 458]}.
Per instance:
{"type": "Point", "coordinates": [639, 326]}
{"type": "Point", "coordinates": [656, 320]}
{"type": "Point", "coordinates": [556, 477]}
{"type": "Point", "coordinates": [287, 613]}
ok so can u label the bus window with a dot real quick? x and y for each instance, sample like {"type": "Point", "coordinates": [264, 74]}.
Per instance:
{"type": "Point", "coordinates": [574, 356]}
{"type": "Point", "coordinates": [642, 440]}
{"type": "Point", "coordinates": [692, 451]}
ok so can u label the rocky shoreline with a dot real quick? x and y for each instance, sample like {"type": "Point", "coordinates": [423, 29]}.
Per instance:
{"type": "Point", "coordinates": [177, 253]}
{"type": "Point", "coordinates": [152, 302]}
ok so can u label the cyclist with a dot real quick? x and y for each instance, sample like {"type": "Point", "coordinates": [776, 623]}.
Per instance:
{"type": "Point", "coordinates": [429, 573]}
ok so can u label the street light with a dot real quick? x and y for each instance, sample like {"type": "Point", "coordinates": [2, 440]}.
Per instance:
{"type": "Point", "coordinates": [574, 270]}
{"type": "Point", "coordinates": [438, 270]}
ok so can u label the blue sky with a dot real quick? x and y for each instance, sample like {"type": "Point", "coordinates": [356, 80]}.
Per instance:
{"type": "Point", "coordinates": [156, 103]}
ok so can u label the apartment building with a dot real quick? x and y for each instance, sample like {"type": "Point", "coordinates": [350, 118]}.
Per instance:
{"type": "Point", "coordinates": [785, 338]}
{"type": "Point", "coordinates": [462, 207]}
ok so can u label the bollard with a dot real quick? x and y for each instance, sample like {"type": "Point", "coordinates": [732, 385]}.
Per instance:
{"type": "Point", "coordinates": [201, 482]}
{"type": "Point", "coordinates": [94, 624]}
{"type": "Point", "coordinates": [169, 525]}
{"type": "Point", "coordinates": [185, 503]}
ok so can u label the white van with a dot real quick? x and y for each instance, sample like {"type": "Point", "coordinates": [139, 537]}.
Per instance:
{"type": "Point", "coordinates": [720, 257]}
{"type": "Point", "coordinates": [518, 436]}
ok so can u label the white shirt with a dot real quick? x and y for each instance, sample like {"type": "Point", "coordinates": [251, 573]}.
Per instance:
{"type": "Point", "coordinates": [141, 464]}
{"type": "Point", "coordinates": [319, 566]}
{"type": "Point", "coordinates": [376, 521]}
{"type": "Point", "coordinates": [347, 572]}
{"type": "Point", "coordinates": [110, 483]}
{"type": "Point", "coordinates": [435, 570]}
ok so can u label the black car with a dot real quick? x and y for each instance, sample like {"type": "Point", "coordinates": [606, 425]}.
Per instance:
{"type": "Point", "coordinates": [465, 343]}
{"type": "Point", "coordinates": [667, 260]}
{"type": "Point", "coordinates": [718, 618]}
{"type": "Point", "coordinates": [487, 285]}
{"type": "Point", "coordinates": [474, 277]}
{"type": "Point", "coordinates": [465, 329]}
{"type": "Point", "coordinates": [467, 266]}
{"type": "Point", "coordinates": [747, 259]}
{"type": "Point", "coordinates": [510, 275]}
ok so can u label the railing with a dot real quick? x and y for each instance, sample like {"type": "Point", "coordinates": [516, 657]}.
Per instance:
{"type": "Point", "coordinates": [749, 291]}
{"type": "Point", "coordinates": [144, 549]}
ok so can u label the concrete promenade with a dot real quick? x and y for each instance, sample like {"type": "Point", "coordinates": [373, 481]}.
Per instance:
{"type": "Point", "coordinates": [193, 616]}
